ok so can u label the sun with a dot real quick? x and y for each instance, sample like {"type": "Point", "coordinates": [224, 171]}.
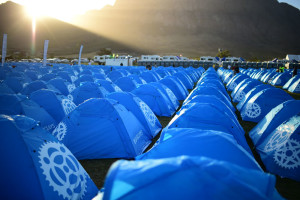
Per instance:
{"type": "Point", "coordinates": [64, 10]}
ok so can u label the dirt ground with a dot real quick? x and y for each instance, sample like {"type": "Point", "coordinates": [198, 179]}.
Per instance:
{"type": "Point", "coordinates": [289, 189]}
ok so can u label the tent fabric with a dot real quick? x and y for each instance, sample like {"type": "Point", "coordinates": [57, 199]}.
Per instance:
{"type": "Point", "coordinates": [16, 84]}
{"type": "Point", "coordinates": [126, 84]}
{"type": "Point", "coordinates": [210, 117]}
{"type": "Point", "coordinates": [170, 96]}
{"type": "Point", "coordinates": [102, 128]}
{"type": "Point", "coordinates": [186, 80]}
{"type": "Point", "coordinates": [214, 83]}
{"type": "Point", "coordinates": [244, 89]}
{"type": "Point", "coordinates": [213, 91]}
{"type": "Point", "coordinates": [149, 77]}
{"type": "Point", "coordinates": [108, 85]}
{"type": "Point", "coordinates": [86, 91]}
{"type": "Point", "coordinates": [280, 150]}
{"type": "Point", "coordinates": [33, 86]}
{"type": "Point", "coordinates": [5, 89]}
{"type": "Point", "coordinates": [114, 75]}
{"type": "Point", "coordinates": [262, 103]}
{"type": "Point", "coordinates": [250, 94]}
{"type": "Point", "coordinates": [235, 81]}
{"type": "Point", "coordinates": [155, 99]}
{"type": "Point", "coordinates": [199, 178]}
{"type": "Point", "coordinates": [233, 93]}
{"type": "Point", "coordinates": [21, 105]}
{"type": "Point", "coordinates": [290, 82]}
{"type": "Point", "coordinates": [196, 142]}
{"type": "Point", "coordinates": [58, 106]}
{"type": "Point", "coordinates": [295, 87]}
{"type": "Point", "coordinates": [282, 79]}
{"type": "Point", "coordinates": [140, 110]}
{"type": "Point", "coordinates": [39, 166]}
{"type": "Point", "coordinates": [64, 75]}
{"type": "Point", "coordinates": [273, 119]}
{"type": "Point", "coordinates": [175, 87]}
{"type": "Point", "coordinates": [60, 84]}
{"type": "Point", "coordinates": [138, 79]}
{"type": "Point", "coordinates": [47, 77]}
{"type": "Point", "coordinates": [84, 78]}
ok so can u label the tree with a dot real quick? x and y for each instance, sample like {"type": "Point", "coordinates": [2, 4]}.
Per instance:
{"type": "Point", "coordinates": [223, 53]}
{"type": "Point", "coordinates": [104, 51]}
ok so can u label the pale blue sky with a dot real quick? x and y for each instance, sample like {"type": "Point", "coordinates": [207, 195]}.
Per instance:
{"type": "Point", "coordinates": [295, 3]}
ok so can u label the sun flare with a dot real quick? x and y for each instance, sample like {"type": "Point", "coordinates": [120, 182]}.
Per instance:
{"type": "Point", "coordinates": [63, 10]}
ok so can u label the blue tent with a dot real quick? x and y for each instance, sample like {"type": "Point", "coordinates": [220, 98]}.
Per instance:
{"type": "Point", "coordinates": [197, 178]}
{"type": "Point", "coordinates": [280, 150]}
{"type": "Point", "coordinates": [175, 87]}
{"type": "Point", "coordinates": [155, 99]}
{"type": "Point", "coordinates": [38, 167]}
{"type": "Point", "coordinates": [108, 85]}
{"type": "Point", "coordinates": [33, 86]}
{"type": "Point", "coordinates": [126, 84]}
{"type": "Point", "coordinates": [137, 78]}
{"type": "Point", "coordinates": [60, 84]}
{"type": "Point", "coordinates": [235, 81]}
{"type": "Point", "coordinates": [290, 82]}
{"type": "Point", "coordinates": [244, 89]}
{"type": "Point", "coordinates": [86, 71]}
{"type": "Point", "coordinates": [213, 91]}
{"type": "Point", "coordinates": [273, 119]}
{"type": "Point", "coordinates": [210, 117]}
{"type": "Point", "coordinates": [295, 87]}
{"type": "Point", "coordinates": [15, 83]}
{"type": "Point", "coordinates": [140, 110]}
{"type": "Point", "coordinates": [31, 74]}
{"type": "Point", "coordinates": [172, 99]}
{"type": "Point", "coordinates": [263, 102]}
{"type": "Point", "coordinates": [99, 76]}
{"type": "Point", "coordinates": [196, 142]}
{"type": "Point", "coordinates": [185, 79]}
{"type": "Point", "coordinates": [64, 75]}
{"type": "Point", "coordinates": [212, 100]}
{"type": "Point", "coordinates": [102, 128]}
{"type": "Point", "coordinates": [5, 89]}
{"type": "Point", "coordinates": [149, 77]}
{"type": "Point", "coordinates": [251, 93]}
{"type": "Point", "coordinates": [214, 83]}
{"type": "Point", "coordinates": [56, 105]}
{"type": "Point", "coordinates": [86, 91]}
{"type": "Point", "coordinates": [114, 75]}
{"type": "Point", "coordinates": [84, 78]}
{"type": "Point", "coordinates": [21, 105]}
{"type": "Point", "coordinates": [47, 77]}
{"type": "Point", "coordinates": [233, 93]}
{"type": "Point", "coordinates": [269, 76]}
{"type": "Point", "coordinates": [282, 79]}
{"type": "Point", "coordinates": [162, 72]}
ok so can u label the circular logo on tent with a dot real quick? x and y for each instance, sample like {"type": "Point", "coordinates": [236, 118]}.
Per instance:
{"type": "Point", "coordinates": [63, 172]}
{"type": "Point", "coordinates": [172, 96]}
{"type": "Point", "coordinates": [148, 113]}
{"type": "Point", "coordinates": [232, 86]}
{"type": "Point", "coordinates": [240, 95]}
{"type": "Point", "coordinates": [288, 156]}
{"type": "Point", "coordinates": [279, 138]}
{"type": "Point", "coordinates": [60, 131]}
{"type": "Point", "coordinates": [68, 105]}
{"type": "Point", "coordinates": [253, 110]}
{"type": "Point", "coordinates": [71, 88]}
{"type": "Point", "coordinates": [70, 97]}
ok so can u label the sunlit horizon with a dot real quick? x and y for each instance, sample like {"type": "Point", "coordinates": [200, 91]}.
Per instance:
{"type": "Point", "coordinates": [64, 10]}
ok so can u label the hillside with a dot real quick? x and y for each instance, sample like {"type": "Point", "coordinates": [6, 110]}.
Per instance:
{"type": "Point", "coordinates": [250, 28]}
{"type": "Point", "coordinates": [64, 38]}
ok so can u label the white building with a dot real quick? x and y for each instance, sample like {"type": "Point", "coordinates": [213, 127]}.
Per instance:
{"type": "Point", "coordinates": [150, 58]}
{"type": "Point", "coordinates": [290, 57]}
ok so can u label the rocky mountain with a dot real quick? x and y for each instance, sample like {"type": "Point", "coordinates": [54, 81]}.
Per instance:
{"type": "Point", "coordinates": [249, 28]}
{"type": "Point", "coordinates": [64, 38]}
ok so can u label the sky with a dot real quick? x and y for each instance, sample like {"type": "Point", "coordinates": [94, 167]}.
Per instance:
{"type": "Point", "coordinates": [66, 10]}
{"type": "Point", "coordinates": [295, 3]}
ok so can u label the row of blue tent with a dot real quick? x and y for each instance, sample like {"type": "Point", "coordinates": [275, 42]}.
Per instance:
{"type": "Point", "coordinates": [276, 136]}
{"type": "Point", "coordinates": [201, 154]}
{"type": "Point", "coordinates": [119, 125]}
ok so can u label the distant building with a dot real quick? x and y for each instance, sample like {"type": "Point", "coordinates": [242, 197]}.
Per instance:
{"type": "Point", "coordinates": [290, 57]}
